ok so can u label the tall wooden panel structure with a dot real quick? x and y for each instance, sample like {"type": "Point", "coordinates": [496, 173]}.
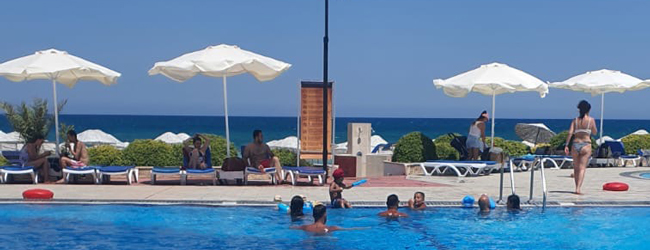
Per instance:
{"type": "Point", "coordinates": [310, 121]}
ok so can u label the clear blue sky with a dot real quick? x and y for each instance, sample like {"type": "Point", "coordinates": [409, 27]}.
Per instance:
{"type": "Point", "coordinates": [383, 54]}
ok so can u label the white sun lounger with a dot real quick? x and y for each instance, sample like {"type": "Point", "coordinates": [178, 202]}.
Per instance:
{"type": "Point", "coordinates": [461, 168]}
{"type": "Point", "coordinates": [68, 171]}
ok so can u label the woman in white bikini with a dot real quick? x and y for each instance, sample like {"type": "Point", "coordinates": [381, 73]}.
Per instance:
{"type": "Point", "coordinates": [476, 137]}
{"type": "Point", "coordinates": [581, 130]}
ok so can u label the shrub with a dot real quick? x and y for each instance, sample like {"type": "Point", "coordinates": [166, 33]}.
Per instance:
{"type": "Point", "coordinates": [288, 158]}
{"type": "Point", "coordinates": [30, 121]}
{"type": "Point", "coordinates": [150, 153]}
{"type": "Point", "coordinates": [177, 154]}
{"type": "Point", "coordinates": [635, 142]}
{"type": "Point", "coordinates": [444, 150]}
{"type": "Point", "coordinates": [218, 149]}
{"type": "Point", "coordinates": [513, 148]}
{"type": "Point", "coordinates": [106, 155]}
{"type": "Point", "coordinates": [3, 161]}
{"type": "Point", "coordinates": [557, 142]}
{"type": "Point", "coordinates": [414, 147]}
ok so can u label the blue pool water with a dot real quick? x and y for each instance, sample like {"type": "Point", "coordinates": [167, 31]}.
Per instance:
{"type": "Point", "coordinates": [194, 227]}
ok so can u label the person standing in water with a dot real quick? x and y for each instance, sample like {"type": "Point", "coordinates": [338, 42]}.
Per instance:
{"type": "Point", "coordinates": [476, 136]}
{"type": "Point", "coordinates": [580, 130]}
{"type": "Point", "coordinates": [392, 204]}
{"type": "Point", "coordinates": [320, 219]}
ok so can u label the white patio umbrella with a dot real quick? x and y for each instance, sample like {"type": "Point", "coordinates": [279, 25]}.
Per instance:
{"type": "Point", "coordinates": [600, 82]}
{"type": "Point", "coordinates": [96, 136]}
{"type": "Point", "coordinates": [491, 80]}
{"type": "Point", "coordinates": [290, 142]}
{"type": "Point", "coordinates": [171, 138]}
{"type": "Point", "coordinates": [221, 61]}
{"type": "Point", "coordinates": [58, 66]}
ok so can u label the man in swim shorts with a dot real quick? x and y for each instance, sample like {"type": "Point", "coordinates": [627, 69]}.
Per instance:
{"type": "Point", "coordinates": [392, 203]}
{"type": "Point", "coordinates": [320, 218]}
{"type": "Point", "coordinates": [336, 190]}
{"type": "Point", "coordinates": [258, 154]}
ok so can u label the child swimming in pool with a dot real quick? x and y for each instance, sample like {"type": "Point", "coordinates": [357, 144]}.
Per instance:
{"type": "Point", "coordinates": [417, 203]}
{"type": "Point", "coordinates": [336, 190]}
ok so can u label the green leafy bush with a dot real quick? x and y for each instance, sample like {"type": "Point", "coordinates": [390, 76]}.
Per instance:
{"type": "Point", "coordinates": [3, 161]}
{"type": "Point", "coordinates": [150, 153]}
{"type": "Point", "coordinates": [444, 150]}
{"type": "Point", "coordinates": [288, 158]}
{"type": "Point", "coordinates": [512, 148]}
{"type": "Point", "coordinates": [30, 121]}
{"type": "Point", "coordinates": [414, 147]}
{"type": "Point", "coordinates": [635, 142]}
{"type": "Point", "coordinates": [106, 155]}
{"type": "Point", "coordinates": [557, 141]}
{"type": "Point", "coordinates": [218, 149]}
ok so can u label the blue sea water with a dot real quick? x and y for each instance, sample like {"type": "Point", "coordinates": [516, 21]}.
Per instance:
{"type": "Point", "coordinates": [130, 127]}
{"type": "Point", "coordinates": [192, 227]}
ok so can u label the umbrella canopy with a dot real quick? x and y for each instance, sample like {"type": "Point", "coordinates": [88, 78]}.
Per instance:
{"type": "Point", "coordinates": [58, 66]}
{"type": "Point", "coordinates": [600, 82]}
{"type": "Point", "coordinates": [290, 142]}
{"type": "Point", "coordinates": [171, 138]}
{"type": "Point", "coordinates": [221, 61]}
{"type": "Point", "coordinates": [13, 137]}
{"type": "Point", "coordinates": [638, 132]}
{"type": "Point", "coordinates": [491, 79]}
{"type": "Point", "coordinates": [96, 136]}
{"type": "Point", "coordinates": [534, 132]}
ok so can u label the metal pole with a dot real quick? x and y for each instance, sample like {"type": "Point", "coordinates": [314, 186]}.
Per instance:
{"type": "Point", "coordinates": [325, 120]}
{"type": "Point", "coordinates": [602, 111]}
{"type": "Point", "coordinates": [56, 118]}
{"type": "Point", "coordinates": [493, 116]}
{"type": "Point", "coordinates": [532, 181]}
{"type": "Point", "coordinates": [225, 110]}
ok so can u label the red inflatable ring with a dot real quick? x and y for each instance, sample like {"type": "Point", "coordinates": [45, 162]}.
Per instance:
{"type": "Point", "coordinates": [38, 194]}
{"type": "Point", "coordinates": [616, 186]}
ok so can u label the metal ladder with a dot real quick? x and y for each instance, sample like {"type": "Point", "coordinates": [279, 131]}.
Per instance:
{"type": "Point", "coordinates": [540, 164]}
{"type": "Point", "coordinates": [512, 182]}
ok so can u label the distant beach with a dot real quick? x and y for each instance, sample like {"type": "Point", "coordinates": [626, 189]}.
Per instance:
{"type": "Point", "coordinates": [130, 127]}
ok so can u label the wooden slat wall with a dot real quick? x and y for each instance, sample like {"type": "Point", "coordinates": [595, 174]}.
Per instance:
{"type": "Point", "coordinates": [311, 124]}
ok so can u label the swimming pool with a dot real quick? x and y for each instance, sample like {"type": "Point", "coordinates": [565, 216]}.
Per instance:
{"type": "Point", "coordinates": [40, 226]}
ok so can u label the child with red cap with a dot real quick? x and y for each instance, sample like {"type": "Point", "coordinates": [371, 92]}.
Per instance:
{"type": "Point", "coordinates": [336, 190]}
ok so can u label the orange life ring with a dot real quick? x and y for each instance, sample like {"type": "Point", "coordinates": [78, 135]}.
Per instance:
{"type": "Point", "coordinates": [40, 194]}
{"type": "Point", "coordinates": [616, 186]}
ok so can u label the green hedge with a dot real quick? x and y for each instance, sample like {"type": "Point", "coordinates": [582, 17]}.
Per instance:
{"type": "Point", "coordinates": [414, 147]}
{"type": "Point", "coordinates": [218, 149]}
{"type": "Point", "coordinates": [635, 142]}
{"type": "Point", "coordinates": [288, 158]}
{"type": "Point", "coordinates": [3, 161]}
{"type": "Point", "coordinates": [444, 150]}
{"type": "Point", "coordinates": [105, 155]}
{"type": "Point", "coordinates": [557, 142]}
{"type": "Point", "coordinates": [512, 148]}
{"type": "Point", "coordinates": [150, 153]}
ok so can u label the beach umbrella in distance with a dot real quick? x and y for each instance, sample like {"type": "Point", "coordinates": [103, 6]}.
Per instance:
{"type": "Point", "coordinates": [97, 137]}
{"type": "Point", "coordinates": [290, 143]}
{"type": "Point", "coordinates": [57, 66]}
{"type": "Point", "coordinates": [534, 132]}
{"type": "Point", "coordinates": [491, 79]}
{"type": "Point", "coordinates": [600, 82]}
{"type": "Point", "coordinates": [171, 138]}
{"type": "Point", "coordinates": [221, 61]}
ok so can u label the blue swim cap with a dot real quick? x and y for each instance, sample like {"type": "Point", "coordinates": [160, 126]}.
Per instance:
{"type": "Point", "coordinates": [468, 201]}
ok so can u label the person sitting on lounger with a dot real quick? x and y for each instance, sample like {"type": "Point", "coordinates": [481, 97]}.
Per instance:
{"type": "Point", "coordinates": [476, 137]}
{"type": "Point", "coordinates": [336, 190]}
{"type": "Point", "coordinates": [417, 202]}
{"type": "Point", "coordinates": [513, 203]}
{"type": "Point", "coordinates": [484, 204]}
{"type": "Point", "coordinates": [37, 160]}
{"type": "Point", "coordinates": [320, 218]}
{"type": "Point", "coordinates": [392, 203]}
{"type": "Point", "coordinates": [196, 154]}
{"type": "Point", "coordinates": [78, 153]}
{"type": "Point", "coordinates": [259, 156]}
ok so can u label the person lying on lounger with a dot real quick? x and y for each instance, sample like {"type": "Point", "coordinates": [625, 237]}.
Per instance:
{"type": "Point", "coordinates": [392, 203]}
{"type": "Point", "coordinates": [259, 156]}
{"type": "Point", "coordinates": [196, 154]}
{"type": "Point", "coordinates": [78, 153]}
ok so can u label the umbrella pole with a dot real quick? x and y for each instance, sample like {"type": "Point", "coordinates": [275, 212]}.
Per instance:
{"type": "Point", "coordinates": [602, 109]}
{"type": "Point", "coordinates": [225, 111]}
{"type": "Point", "coordinates": [493, 102]}
{"type": "Point", "coordinates": [56, 118]}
